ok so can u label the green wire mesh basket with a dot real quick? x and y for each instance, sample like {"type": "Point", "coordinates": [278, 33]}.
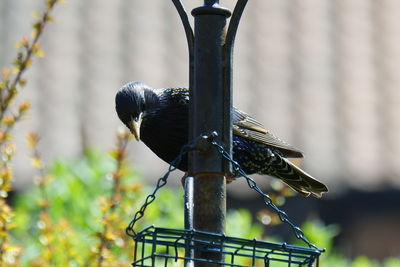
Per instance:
{"type": "Point", "coordinates": [169, 247]}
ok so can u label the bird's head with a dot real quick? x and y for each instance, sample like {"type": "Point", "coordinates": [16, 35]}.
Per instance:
{"type": "Point", "coordinates": [130, 102]}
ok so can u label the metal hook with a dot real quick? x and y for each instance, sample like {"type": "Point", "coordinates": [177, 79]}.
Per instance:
{"type": "Point", "coordinates": [234, 24]}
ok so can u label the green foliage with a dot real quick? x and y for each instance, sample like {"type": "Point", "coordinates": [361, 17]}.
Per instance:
{"type": "Point", "coordinates": [74, 196]}
{"type": "Point", "coordinates": [323, 235]}
{"type": "Point", "coordinates": [318, 233]}
{"type": "Point", "coordinates": [240, 224]}
{"type": "Point", "coordinates": [75, 211]}
{"type": "Point", "coordinates": [392, 262]}
{"type": "Point", "coordinates": [75, 217]}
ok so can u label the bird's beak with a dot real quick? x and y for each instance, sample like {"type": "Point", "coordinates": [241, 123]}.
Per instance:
{"type": "Point", "coordinates": [134, 129]}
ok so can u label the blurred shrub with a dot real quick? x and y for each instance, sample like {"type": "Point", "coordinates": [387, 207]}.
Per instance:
{"type": "Point", "coordinates": [11, 83]}
{"type": "Point", "coordinates": [76, 196]}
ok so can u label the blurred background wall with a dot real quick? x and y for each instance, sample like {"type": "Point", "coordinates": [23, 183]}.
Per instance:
{"type": "Point", "coordinates": [321, 74]}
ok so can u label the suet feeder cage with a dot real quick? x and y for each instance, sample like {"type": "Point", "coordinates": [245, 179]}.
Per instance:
{"type": "Point", "coordinates": [166, 247]}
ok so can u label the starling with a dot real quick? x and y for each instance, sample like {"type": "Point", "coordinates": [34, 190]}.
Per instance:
{"type": "Point", "coordinates": [163, 116]}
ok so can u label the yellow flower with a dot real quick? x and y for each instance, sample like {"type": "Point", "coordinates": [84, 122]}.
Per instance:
{"type": "Point", "coordinates": [6, 73]}
{"type": "Point", "coordinates": [32, 139]}
{"type": "Point", "coordinates": [37, 162]}
{"type": "Point", "coordinates": [8, 120]}
{"type": "Point", "coordinates": [24, 106]}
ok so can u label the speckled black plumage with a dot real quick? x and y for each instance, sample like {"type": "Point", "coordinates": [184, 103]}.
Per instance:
{"type": "Point", "coordinates": [164, 129]}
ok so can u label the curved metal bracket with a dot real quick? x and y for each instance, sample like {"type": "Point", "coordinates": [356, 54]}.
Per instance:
{"type": "Point", "coordinates": [189, 37]}
{"type": "Point", "coordinates": [230, 37]}
{"type": "Point", "coordinates": [234, 24]}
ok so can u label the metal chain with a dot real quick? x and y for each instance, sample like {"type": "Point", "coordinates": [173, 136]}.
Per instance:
{"type": "Point", "coordinates": [160, 183]}
{"type": "Point", "coordinates": [197, 144]}
{"type": "Point", "coordinates": [267, 199]}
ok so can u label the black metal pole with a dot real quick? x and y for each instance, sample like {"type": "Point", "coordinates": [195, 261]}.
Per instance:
{"type": "Point", "coordinates": [207, 115]}
{"type": "Point", "coordinates": [210, 83]}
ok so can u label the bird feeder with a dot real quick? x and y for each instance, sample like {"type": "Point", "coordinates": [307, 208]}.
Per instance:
{"type": "Point", "coordinates": [167, 247]}
{"type": "Point", "coordinates": [203, 242]}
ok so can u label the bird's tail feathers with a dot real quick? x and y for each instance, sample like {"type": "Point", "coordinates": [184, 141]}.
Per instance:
{"type": "Point", "coordinates": [295, 177]}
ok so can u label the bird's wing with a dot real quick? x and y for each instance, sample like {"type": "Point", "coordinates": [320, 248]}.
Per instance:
{"type": "Point", "coordinates": [247, 127]}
